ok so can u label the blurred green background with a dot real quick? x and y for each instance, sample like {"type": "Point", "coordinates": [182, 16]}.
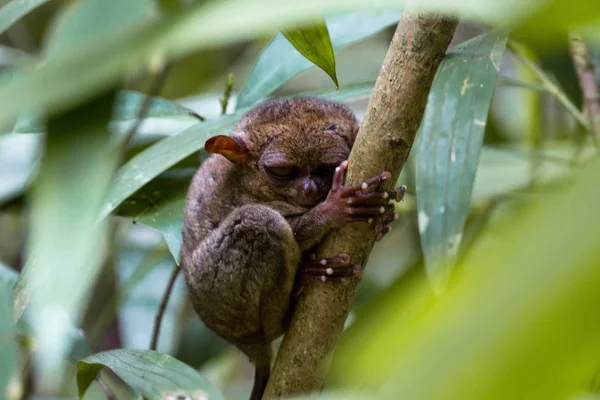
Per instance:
{"type": "Point", "coordinates": [488, 286]}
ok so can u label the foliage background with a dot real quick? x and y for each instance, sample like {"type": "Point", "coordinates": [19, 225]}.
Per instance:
{"type": "Point", "coordinates": [506, 200]}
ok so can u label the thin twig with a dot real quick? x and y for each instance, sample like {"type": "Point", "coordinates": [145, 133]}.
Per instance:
{"type": "Point", "coordinates": [586, 73]}
{"type": "Point", "coordinates": [551, 86]}
{"type": "Point", "coordinates": [161, 308]}
{"type": "Point", "coordinates": [227, 93]}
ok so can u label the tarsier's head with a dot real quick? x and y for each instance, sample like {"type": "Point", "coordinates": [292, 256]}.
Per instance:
{"type": "Point", "coordinates": [291, 147]}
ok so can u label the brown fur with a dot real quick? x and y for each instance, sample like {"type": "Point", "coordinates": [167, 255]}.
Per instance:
{"type": "Point", "coordinates": [244, 232]}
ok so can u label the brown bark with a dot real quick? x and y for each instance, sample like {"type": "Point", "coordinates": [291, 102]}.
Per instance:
{"type": "Point", "coordinates": [386, 136]}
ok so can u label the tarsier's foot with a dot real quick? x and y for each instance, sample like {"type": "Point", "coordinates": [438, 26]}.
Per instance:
{"type": "Point", "coordinates": [333, 269]}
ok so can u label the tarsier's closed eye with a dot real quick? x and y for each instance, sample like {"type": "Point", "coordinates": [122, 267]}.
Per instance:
{"type": "Point", "coordinates": [282, 172]}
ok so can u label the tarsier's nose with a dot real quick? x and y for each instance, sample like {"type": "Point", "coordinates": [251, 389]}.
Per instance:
{"type": "Point", "coordinates": [310, 187]}
{"type": "Point", "coordinates": [310, 195]}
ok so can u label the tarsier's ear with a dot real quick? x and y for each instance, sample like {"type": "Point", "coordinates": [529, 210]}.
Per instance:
{"type": "Point", "coordinates": [228, 147]}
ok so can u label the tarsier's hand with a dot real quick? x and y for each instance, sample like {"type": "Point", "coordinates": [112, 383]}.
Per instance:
{"type": "Point", "coordinates": [353, 204]}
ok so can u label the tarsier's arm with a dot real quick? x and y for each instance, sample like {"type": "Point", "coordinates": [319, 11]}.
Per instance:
{"type": "Point", "coordinates": [347, 204]}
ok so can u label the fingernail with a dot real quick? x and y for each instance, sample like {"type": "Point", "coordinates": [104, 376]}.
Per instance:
{"type": "Point", "coordinates": [323, 262]}
{"type": "Point", "coordinates": [381, 210]}
{"type": "Point", "coordinates": [364, 186]}
{"type": "Point", "coordinates": [385, 195]}
{"type": "Point", "coordinates": [370, 220]}
{"type": "Point", "coordinates": [329, 271]}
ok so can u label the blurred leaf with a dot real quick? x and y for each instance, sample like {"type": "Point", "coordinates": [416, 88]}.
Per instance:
{"type": "Point", "coordinates": [86, 69]}
{"type": "Point", "coordinates": [505, 170]}
{"type": "Point", "coordinates": [80, 348]}
{"type": "Point", "coordinates": [127, 106]}
{"type": "Point", "coordinates": [15, 10]}
{"type": "Point", "coordinates": [85, 22]}
{"type": "Point", "coordinates": [66, 245]}
{"type": "Point", "coordinates": [552, 20]}
{"type": "Point", "coordinates": [313, 42]}
{"type": "Point", "coordinates": [279, 61]}
{"type": "Point", "coordinates": [524, 308]}
{"type": "Point", "coordinates": [8, 275]}
{"type": "Point", "coordinates": [18, 163]}
{"type": "Point", "coordinates": [451, 137]}
{"type": "Point", "coordinates": [12, 57]}
{"type": "Point", "coordinates": [151, 374]}
{"type": "Point", "coordinates": [8, 344]}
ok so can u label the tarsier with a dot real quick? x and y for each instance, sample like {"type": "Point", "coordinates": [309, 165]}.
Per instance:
{"type": "Point", "coordinates": [256, 210]}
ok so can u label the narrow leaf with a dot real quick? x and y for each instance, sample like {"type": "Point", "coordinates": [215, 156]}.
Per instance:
{"type": "Point", "coordinates": [313, 42]}
{"type": "Point", "coordinates": [15, 10]}
{"type": "Point", "coordinates": [153, 375]}
{"type": "Point", "coordinates": [279, 61]}
{"type": "Point", "coordinates": [8, 343]}
{"type": "Point", "coordinates": [451, 137]}
{"type": "Point", "coordinates": [159, 205]}
{"type": "Point", "coordinates": [66, 244]}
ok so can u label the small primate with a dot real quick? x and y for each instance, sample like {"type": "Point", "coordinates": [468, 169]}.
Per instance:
{"type": "Point", "coordinates": [256, 209]}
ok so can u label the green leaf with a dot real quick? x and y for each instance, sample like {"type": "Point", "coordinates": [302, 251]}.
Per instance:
{"type": "Point", "coordinates": [152, 375]}
{"type": "Point", "coordinates": [451, 137]}
{"type": "Point", "coordinates": [313, 42]}
{"type": "Point", "coordinates": [279, 61]}
{"type": "Point", "coordinates": [84, 22]}
{"type": "Point", "coordinates": [18, 161]}
{"type": "Point", "coordinates": [159, 205]}
{"type": "Point", "coordinates": [8, 343]}
{"type": "Point", "coordinates": [66, 245]}
{"type": "Point", "coordinates": [8, 275]}
{"type": "Point", "coordinates": [524, 308]}
{"type": "Point", "coordinates": [15, 10]}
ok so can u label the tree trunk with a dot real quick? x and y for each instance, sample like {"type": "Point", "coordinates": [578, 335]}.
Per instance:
{"type": "Point", "coordinates": [386, 136]}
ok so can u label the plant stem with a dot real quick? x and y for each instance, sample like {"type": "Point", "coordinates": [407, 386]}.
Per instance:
{"type": "Point", "coordinates": [162, 307]}
{"type": "Point", "coordinates": [550, 86]}
{"type": "Point", "coordinates": [227, 93]}
{"type": "Point", "coordinates": [586, 73]}
{"type": "Point", "coordinates": [386, 136]}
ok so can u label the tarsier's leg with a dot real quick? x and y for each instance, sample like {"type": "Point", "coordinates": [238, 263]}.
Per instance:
{"type": "Point", "coordinates": [241, 278]}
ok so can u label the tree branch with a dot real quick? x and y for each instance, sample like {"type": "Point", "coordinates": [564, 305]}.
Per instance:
{"type": "Point", "coordinates": [586, 72]}
{"type": "Point", "coordinates": [386, 136]}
